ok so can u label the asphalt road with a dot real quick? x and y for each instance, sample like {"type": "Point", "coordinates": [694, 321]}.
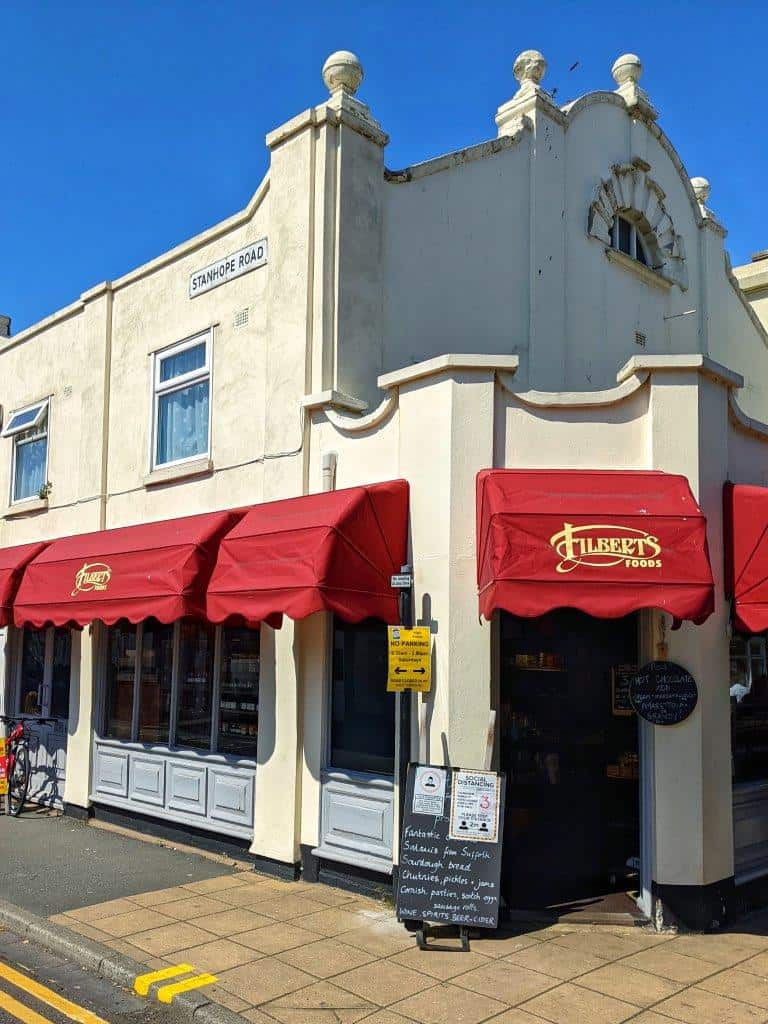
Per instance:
{"type": "Point", "coordinates": [60, 977]}
{"type": "Point", "coordinates": [50, 864]}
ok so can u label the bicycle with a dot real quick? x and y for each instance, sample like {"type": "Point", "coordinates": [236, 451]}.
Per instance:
{"type": "Point", "coordinates": [18, 769]}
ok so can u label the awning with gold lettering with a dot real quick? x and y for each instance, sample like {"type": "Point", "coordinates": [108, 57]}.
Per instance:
{"type": "Point", "coordinates": [607, 542]}
{"type": "Point", "coordinates": [133, 572]}
{"type": "Point", "coordinates": [745, 529]}
{"type": "Point", "coordinates": [13, 561]}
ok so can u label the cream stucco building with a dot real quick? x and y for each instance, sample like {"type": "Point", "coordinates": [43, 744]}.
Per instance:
{"type": "Point", "coordinates": [557, 298]}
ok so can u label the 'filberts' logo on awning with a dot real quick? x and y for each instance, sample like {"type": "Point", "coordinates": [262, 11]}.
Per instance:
{"type": "Point", "coordinates": [92, 576]}
{"type": "Point", "coordinates": [603, 545]}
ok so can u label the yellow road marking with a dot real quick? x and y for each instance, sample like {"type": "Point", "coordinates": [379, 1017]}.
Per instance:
{"type": "Point", "coordinates": [20, 1011]}
{"type": "Point", "coordinates": [166, 992]}
{"type": "Point", "coordinates": [47, 996]}
{"type": "Point", "coordinates": [143, 981]}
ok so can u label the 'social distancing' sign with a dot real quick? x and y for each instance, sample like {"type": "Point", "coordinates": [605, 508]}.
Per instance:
{"type": "Point", "coordinates": [409, 659]}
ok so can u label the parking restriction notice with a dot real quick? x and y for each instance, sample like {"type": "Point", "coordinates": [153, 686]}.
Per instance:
{"type": "Point", "coordinates": [409, 659]}
{"type": "Point", "coordinates": [3, 767]}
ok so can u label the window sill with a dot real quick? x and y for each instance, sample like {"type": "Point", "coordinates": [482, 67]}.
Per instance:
{"type": "Point", "coordinates": [184, 471]}
{"type": "Point", "coordinates": [26, 508]}
{"type": "Point", "coordinates": [639, 269]}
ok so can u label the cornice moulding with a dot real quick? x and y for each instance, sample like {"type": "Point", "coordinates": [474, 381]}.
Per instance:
{"type": "Point", "coordinates": [448, 161]}
{"type": "Point", "coordinates": [448, 364]}
{"type": "Point", "coordinates": [333, 399]}
{"type": "Point", "coordinates": [360, 424]}
{"type": "Point", "coordinates": [577, 399]}
{"type": "Point", "coordinates": [744, 422]}
{"type": "Point", "coordinates": [681, 364]}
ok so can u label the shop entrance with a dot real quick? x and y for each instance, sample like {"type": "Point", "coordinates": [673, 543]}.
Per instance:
{"type": "Point", "coordinates": [570, 750]}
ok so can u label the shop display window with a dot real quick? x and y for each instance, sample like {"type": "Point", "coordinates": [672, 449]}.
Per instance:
{"type": "Point", "coordinates": [120, 679]}
{"type": "Point", "coordinates": [195, 702]}
{"type": "Point", "coordinates": [186, 685]}
{"type": "Point", "coordinates": [749, 708]}
{"type": "Point", "coordinates": [362, 712]}
{"type": "Point", "coordinates": [239, 691]}
{"type": "Point", "coordinates": [155, 678]}
{"type": "Point", "coordinates": [44, 673]}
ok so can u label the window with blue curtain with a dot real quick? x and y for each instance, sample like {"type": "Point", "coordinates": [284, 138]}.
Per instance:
{"type": "Point", "coordinates": [182, 395]}
{"type": "Point", "coordinates": [30, 455]}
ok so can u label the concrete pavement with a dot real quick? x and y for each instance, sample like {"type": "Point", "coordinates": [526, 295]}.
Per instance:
{"type": "Point", "coordinates": [301, 953]}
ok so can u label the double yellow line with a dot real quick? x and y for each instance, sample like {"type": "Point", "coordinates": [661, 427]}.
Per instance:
{"type": "Point", "coordinates": [44, 995]}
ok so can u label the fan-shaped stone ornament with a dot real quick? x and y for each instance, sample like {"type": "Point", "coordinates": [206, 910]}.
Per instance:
{"type": "Point", "coordinates": [630, 190]}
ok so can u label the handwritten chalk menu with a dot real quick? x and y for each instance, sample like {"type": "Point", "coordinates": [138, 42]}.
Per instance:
{"type": "Point", "coordinates": [621, 681]}
{"type": "Point", "coordinates": [450, 847]}
{"type": "Point", "coordinates": [663, 693]}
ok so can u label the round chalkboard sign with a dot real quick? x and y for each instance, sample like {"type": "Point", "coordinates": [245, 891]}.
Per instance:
{"type": "Point", "coordinates": [663, 693]}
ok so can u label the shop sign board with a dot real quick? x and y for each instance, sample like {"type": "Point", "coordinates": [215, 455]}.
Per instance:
{"type": "Point", "coordinates": [663, 693]}
{"type": "Point", "coordinates": [442, 878]}
{"type": "Point", "coordinates": [409, 659]}
{"type": "Point", "coordinates": [228, 268]}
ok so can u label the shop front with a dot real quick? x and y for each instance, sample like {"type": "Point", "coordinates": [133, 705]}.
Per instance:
{"type": "Point", "coordinates": [175, 610]}
{"type": "Point", "coordinates": [746, 527]}
{"type": "Point", "coordinates": [570, 563]}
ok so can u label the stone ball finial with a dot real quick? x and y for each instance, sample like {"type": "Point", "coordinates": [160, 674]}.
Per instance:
{"type": "Point", "coordinates": [343, 72]}
{"type": "Point", "coordinates": [627, 68]}
{"type": "Point", "coordinates": [701, 189]}
{"type": "Point", "coordinates": [529, 67]}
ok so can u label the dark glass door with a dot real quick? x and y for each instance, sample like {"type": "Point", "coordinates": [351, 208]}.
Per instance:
{"type": "Point", "coordinates": [571, 757]}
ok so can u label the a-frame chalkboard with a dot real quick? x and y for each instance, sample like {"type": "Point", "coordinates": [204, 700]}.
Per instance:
{"type": "Point", "coordinates": [450, 847]}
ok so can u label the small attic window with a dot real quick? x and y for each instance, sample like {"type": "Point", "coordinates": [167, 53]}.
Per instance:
{"type": "Point", "coordinates": [626, 237]}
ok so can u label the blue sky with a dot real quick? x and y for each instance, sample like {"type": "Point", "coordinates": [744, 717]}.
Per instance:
{"type": "Point", "coordinates": [128, 127]}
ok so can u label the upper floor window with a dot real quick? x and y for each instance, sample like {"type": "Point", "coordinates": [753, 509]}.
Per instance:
{"type": "Point", "coordinates": [626, 237]}
{"type": "Point", "coordinates": [181, 401]}
{"type": "Point", "coordinates": [29, 460]}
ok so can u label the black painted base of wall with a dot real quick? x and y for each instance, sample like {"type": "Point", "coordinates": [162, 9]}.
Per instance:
{"type": "Point", "coordinates": [344, 876]}
{"type": "Point", "coordinates": [702, 908]}
{"type": "Point", "coordinates": [75, 811]}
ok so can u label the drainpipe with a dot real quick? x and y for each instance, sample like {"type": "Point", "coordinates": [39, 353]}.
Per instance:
{"type": "Point", "coordinates": [329, 471]}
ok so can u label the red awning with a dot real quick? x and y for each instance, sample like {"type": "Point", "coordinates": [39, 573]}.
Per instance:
{"type": "Point", "coordinates": [605, 542]}
{"type": "Point", "coordinates": [333, 551]}
{"type": "Point", "coordinates": [13, 561]}
{"type": "Point", "coordinates": [134, 572]}
{"type": "Point", "coordinates": [745, 529]}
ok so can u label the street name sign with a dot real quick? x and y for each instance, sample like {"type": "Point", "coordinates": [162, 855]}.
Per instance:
{"type": "Point", "coordinates": [228, 268]}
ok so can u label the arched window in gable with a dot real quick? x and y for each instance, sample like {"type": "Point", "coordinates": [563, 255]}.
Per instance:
{"type": "Point", "coordinates": [628, 215]}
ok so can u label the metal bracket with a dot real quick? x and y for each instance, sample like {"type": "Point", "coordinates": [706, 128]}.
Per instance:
{"type": "Point", "coordinates": [421, 941]}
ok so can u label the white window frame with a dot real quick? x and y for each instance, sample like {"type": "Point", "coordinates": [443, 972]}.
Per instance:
{"type": "Point", "coordinates": [166, 387]}
{"type": "Point", "coordinates": [635, 239]}
{"type": "Point", "coordinates": [28, 432]}
{"type": "Point", "coordinates": [46, 698]}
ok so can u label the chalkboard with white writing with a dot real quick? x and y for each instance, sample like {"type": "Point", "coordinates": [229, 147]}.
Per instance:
{"type": "Point", "coordinates": [450, 847]}
{"type": "Point", "coordinates": [663, 693]}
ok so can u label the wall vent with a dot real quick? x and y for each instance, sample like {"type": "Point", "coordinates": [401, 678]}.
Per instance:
{"type": "Point", "coordinates": [240, 318]}
{"type": "Point", "coordinates": [66, 391]}
{"type": "Point", "coordinates": [640, 339]}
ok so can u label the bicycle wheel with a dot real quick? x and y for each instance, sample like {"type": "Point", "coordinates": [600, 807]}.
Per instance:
{"type": "Point", "coordinates": [18, 784]}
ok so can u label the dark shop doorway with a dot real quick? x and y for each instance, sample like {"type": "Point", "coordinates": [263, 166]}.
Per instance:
{"type": "Point", "coordinates": [569, 746]}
